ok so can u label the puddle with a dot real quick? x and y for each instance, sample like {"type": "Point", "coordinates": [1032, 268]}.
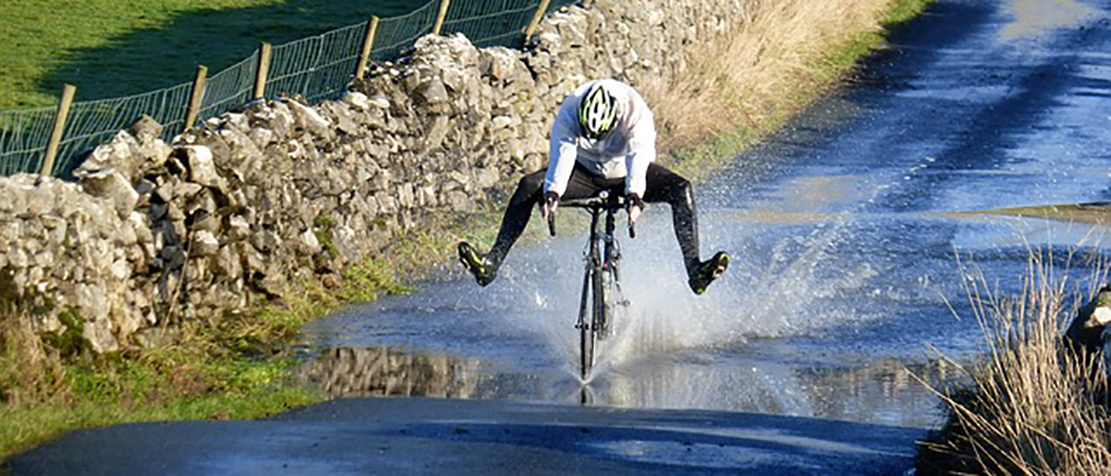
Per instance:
{"type": "Point", "coordinates": [885, 391]}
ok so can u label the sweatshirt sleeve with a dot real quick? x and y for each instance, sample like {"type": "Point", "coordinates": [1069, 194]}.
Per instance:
{"type": "Point", "coordinates": [642, 146]}
{"type": "Point", "coordinates": [562, 150]}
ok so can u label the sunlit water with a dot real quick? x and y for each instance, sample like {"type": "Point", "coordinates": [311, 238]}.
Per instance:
{"type": "Point", "coordinates": [844, 284]}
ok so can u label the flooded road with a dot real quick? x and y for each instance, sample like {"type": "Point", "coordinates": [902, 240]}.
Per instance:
{"type": "Point", "coordinates": [844, 246]}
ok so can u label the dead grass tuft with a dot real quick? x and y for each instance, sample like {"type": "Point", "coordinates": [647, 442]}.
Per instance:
{"type": "Point", "coordinates": [1033, 409]}
{"type": "Point", "coordinates": [29, 370]}
{"type": "Point", "coordinates": [770, 63]}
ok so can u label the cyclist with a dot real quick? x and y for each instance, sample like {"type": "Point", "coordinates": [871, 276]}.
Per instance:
{"type": "Point", "coordinates": [603, 138]}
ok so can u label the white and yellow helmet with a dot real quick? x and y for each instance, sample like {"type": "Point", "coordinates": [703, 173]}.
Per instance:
{"type": "Point", "coordinates": [597, 112]}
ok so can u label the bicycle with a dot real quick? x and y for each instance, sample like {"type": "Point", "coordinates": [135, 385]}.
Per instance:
{"type": "Point", "coordinates": [601, 281]}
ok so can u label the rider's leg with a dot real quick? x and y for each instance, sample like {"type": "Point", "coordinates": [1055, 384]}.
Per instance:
{"type": "Point", "coordinates": [484, 267]}
{"type": "Point", "coordinates": [530, 190]}
{"type": "Point", "coordinates": [517, 214]}
{"type": "Point", "coordinates": [664, 185]}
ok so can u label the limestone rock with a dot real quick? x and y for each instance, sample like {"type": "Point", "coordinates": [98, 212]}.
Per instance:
{"type": "Point", "coordinates": [112, 185]}
{"type": "Point", "coordinates": [202, 170]}
{"type": "Point", "coordinates": [430, 92]}
{"type": "Point", "coordinates": [204, 244]}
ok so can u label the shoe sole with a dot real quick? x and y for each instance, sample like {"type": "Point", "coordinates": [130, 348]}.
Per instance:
{"type": "Point", "coordinates": [722, 265]}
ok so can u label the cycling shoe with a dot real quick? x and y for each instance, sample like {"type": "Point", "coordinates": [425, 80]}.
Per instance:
{"type": "Point", "coordinates": [708, 271]}
{"type": "Point", "coordinates": [477, 264]}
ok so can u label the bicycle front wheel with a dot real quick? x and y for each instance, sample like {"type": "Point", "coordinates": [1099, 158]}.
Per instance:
{"type": "Point", "coordinates": [587, 336]}
{"type": "Point", "coordinates": [597, 318]}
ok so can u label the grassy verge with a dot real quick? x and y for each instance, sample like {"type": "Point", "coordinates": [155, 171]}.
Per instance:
{"type": "Point", "coordinates": [233, 370]}
{"type": "Point", "coordinates": [237, 368]}
{"type": "Point", "coordinates": [1094, 213]}
{"type": "Point", "coordinates": [1033, 408]}
{"type": "Point", "coordinates": [742, 89]}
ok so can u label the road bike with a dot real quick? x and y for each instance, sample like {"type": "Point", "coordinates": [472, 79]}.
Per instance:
{"type": "Point", "coordinates": [601, 292]}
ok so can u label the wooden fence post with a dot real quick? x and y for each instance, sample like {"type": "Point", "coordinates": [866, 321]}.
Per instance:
{"type": "Point", "coordinates": [368, 44]}
{"type": "Point", "coordinates": [440, 18]}
{"type": "Point", "coordinates": [535, 23]}
{"type": "Point", "coordinates": [195, 98]}
{"type": "Point", "coordinates": [262, 71]}
{"type": "Point", "coordinates": [68, 92]}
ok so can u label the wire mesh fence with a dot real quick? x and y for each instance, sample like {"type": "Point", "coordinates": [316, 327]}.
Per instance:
{"type": "Point", "coordinates": [315, 68]}
{"type": "Point", "coordinates": [229, 88]}
{"type": "Point", "coordinates": [397, 34]}
{"type": "Point", "coordinates": [492, 22]}
{"type": "Point", "coordinates": [94, 122]}
{"type": "Point", "coordinates": [23, 137]}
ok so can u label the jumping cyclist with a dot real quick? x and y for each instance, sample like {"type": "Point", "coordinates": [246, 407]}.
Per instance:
{"type": "Point", "coordinates": [603, 139]}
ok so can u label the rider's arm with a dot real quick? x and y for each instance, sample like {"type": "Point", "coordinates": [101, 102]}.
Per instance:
{"type": "Point", "coordinates": [641, 132]}
{"type": "Point", "coordinates": [562, 150]}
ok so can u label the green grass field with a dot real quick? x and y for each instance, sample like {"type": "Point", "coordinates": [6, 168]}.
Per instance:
{"type": "Point", "coordinates": [109, 48]}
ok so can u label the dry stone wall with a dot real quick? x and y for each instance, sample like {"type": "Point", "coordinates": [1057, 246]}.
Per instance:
{"type": "Point", "coordinates": [255, 202]}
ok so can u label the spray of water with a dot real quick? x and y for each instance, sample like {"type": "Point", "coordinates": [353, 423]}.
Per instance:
{"type": "Point", "coordinates": [768, 292]}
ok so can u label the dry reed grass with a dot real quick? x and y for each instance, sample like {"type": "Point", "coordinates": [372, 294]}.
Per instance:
{"type": "Point", "coordinates": [1033, 409]}
{"type": "Point", "coordinates": [769, 64]}
{"type": "Point", "coordinates": [30, 372]}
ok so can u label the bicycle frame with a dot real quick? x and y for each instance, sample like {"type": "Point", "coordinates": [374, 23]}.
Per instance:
{"type": "Point", "coordinates": [601, 277]}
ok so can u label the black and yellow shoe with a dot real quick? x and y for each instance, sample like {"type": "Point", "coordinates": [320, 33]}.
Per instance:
{"type": "Point", "coordinates": [477, 264]}
{"type": "Point", "coordinates": [708, 271]}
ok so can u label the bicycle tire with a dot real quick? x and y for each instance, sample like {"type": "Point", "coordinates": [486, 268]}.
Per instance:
{"type": "Point", "coordinates": [598, 309]}
{"type": "Point", "coordinates": [586, 331]}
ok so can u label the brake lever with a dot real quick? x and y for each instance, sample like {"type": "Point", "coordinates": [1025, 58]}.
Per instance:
{"type": "Point", "coordinates": [632, 223]}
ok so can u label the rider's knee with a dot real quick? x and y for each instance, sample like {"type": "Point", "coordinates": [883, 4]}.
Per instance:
{"type": "Point", "coordinates": [682, 191]}
{"type": "Point", "coordinates": [529, 188]}
{"type": "Point", "coordinates": [531, 182]}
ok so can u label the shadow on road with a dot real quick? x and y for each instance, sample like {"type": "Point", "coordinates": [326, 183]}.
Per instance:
{"type": "Point", "coordinates": [147, 60]}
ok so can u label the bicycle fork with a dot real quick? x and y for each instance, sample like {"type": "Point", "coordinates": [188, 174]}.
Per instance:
{"type": "Point", "coordinates": [593, 265]}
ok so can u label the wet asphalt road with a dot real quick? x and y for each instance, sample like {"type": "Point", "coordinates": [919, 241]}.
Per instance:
{"type": "Point", "coordinates": [844, 273]}
{"type": "Point", "coordinates": [416, 436]}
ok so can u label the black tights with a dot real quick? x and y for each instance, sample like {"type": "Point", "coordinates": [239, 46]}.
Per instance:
{"type": "Point", "coordinates": [663, 185]}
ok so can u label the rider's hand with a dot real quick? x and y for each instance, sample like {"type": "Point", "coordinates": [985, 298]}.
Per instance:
{"type": "Point", "coordinates": [634, 205]}
{"type": "Point", "coordinates": [551, 201]}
